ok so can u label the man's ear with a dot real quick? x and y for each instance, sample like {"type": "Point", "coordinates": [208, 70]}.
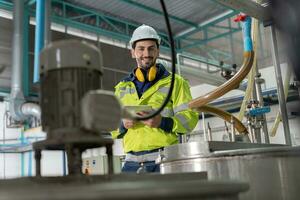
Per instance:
{"type": "Point", "coordinates": [132, 53]}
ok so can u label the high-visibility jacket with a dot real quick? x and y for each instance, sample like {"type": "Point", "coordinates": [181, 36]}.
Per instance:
{"type": "Point", "coordinates": [142, 137]}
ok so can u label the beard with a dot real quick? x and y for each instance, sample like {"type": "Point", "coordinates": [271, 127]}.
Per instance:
{"type": "Point", "coordinates": [145, 64]}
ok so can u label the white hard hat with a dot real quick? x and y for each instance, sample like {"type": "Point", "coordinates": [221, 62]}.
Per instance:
{"type": "Point", "coordinates": [144, 32]}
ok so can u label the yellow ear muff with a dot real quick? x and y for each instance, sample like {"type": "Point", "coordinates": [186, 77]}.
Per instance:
{"type": "Point", "coordinates": [152, 73]}
{"type": "Point", "coordinates": [139, 75]}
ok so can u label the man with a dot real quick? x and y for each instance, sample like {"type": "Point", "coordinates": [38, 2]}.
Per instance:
{"type": "Point", "coordinates": [149, 84]}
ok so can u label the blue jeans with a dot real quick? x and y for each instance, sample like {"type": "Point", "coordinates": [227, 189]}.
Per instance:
{"type": "Point", "coordinates": [133, 167]}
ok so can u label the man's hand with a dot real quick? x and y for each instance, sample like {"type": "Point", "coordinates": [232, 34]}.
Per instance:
{"type": "Point", "coordinates": [128, 123]}
{"type": "Point", "coordinates": [153, 122]}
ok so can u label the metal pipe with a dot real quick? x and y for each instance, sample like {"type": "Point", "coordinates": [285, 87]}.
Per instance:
{"type": "Point", "coordinates": [257, 131]}
{"type": "Point", "coordinates": [209, 134]}
{"type": "Point", "coordinates": [64, 161]}
{"type": "Point", "coordinates": [31, 109]}
{"type": "Point", "coordinates": [279, 83]}
{"type": "Point", "coordinates": [39, 36]}
{"type": "Point", "coordinates": [227, 130]}
{"type": "Point", "coordinates": [204, 126]}
{"type": "Point", "coordinates": [258, 82]}
{"type": "Point", "coordinates": [16, 96]}
{"type": "Point", "coordinates": [202, 60]}
{"type": "Point", "coordinates": [252, 138]}
{"type": "Point", "coordinates": [232, 138]}
{"type": "Point", "coordinates": [17, 52]}
{"type": "Point", "coordinates": [178, 63]}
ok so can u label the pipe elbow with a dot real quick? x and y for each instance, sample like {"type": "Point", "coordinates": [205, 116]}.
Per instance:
{"type": "Point", "coordinates": [31, 109]}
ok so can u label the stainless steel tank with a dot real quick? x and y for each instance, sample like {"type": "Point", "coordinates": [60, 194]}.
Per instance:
{"type": "Point", "coordinates": [272, 172]}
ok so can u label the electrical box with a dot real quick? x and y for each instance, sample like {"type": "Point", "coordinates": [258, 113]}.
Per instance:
{"type": "Point", "coordinates": [96, 165]}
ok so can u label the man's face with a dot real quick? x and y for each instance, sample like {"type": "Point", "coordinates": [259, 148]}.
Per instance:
{"type": "Point", "coordinates": [145, 53]}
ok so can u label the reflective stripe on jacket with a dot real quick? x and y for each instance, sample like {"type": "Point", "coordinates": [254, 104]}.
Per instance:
{"type": "Point", "coordinates": [142, 137]}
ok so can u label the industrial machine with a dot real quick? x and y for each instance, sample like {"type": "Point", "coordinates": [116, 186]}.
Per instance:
{"type": "Point", "coordinates": [70, 70]}
{"type": "Point", "coordinates": [74, 114]}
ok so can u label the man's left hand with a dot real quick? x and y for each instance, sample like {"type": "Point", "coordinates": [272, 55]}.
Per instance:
{"type": "Point", "coordinates": [153, 122]}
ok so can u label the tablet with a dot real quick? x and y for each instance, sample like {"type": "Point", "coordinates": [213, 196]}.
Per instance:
{"type": "Point", "coordinates": [136, 109]}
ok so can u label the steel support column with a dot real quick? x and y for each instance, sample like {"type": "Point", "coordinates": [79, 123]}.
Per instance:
{"type": "Point", "coordinates": [281, 99]}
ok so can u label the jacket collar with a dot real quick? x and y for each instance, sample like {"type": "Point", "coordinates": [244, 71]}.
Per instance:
{"type": "Point", "coordinates": [161, 73]}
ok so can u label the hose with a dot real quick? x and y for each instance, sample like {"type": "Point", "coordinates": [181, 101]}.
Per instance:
{"type": "Point", "coordinates": [227, 86]}
{"type": "Point", "coordinates": [252, 74]}
{"type": "Point", "coordinates": [238, 77]}
{"type": "Point", "coordinates": [239, 126]}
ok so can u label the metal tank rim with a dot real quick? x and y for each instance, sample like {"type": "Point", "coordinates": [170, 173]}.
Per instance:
{"type": "Point", "coordinates": [175, 153]}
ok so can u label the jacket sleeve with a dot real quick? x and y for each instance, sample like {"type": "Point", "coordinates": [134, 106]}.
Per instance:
{"type": "Point", "coordinates": [184, 119]}
{"type": "Point", "coordinates": [120, 132]}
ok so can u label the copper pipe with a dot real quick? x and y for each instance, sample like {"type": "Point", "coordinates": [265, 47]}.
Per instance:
{"type": "Point", "coordinates": [238, 125]}
{"type": "Point", "coordinates": [227, 86]}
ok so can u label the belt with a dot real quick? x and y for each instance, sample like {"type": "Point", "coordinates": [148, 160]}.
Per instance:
{"type": "Point", "coordinates": [143, 156]}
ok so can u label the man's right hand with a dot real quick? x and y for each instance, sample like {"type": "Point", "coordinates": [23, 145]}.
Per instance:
{"type": "Point", "coordinates": [128, 123]}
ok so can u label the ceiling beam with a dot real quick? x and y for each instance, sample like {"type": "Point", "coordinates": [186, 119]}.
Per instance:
{"type": "Point", "coordinates": [152, 10]}
{"type": "Point", "coordinates": [212, 21]}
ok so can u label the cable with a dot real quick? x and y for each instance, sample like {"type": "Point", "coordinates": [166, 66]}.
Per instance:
{"type": "Point", "coordinates": [173, 66]}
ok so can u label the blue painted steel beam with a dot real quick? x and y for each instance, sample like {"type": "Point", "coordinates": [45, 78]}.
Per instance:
{"type": "Point", "coordinates": [82, 16]}
{"type": "Point", "coordinates": [123, 36]}
{"type": "Point", "coordinates": [152, 10]}
{"type": "Point", "coordinates": [39, 37]}
{"type": "Point", "coordinates": [118, 28]}
{"type": "Point", "coordinates": [6, 5]}
{"type": "Point", "coordinates": [126, 28]}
